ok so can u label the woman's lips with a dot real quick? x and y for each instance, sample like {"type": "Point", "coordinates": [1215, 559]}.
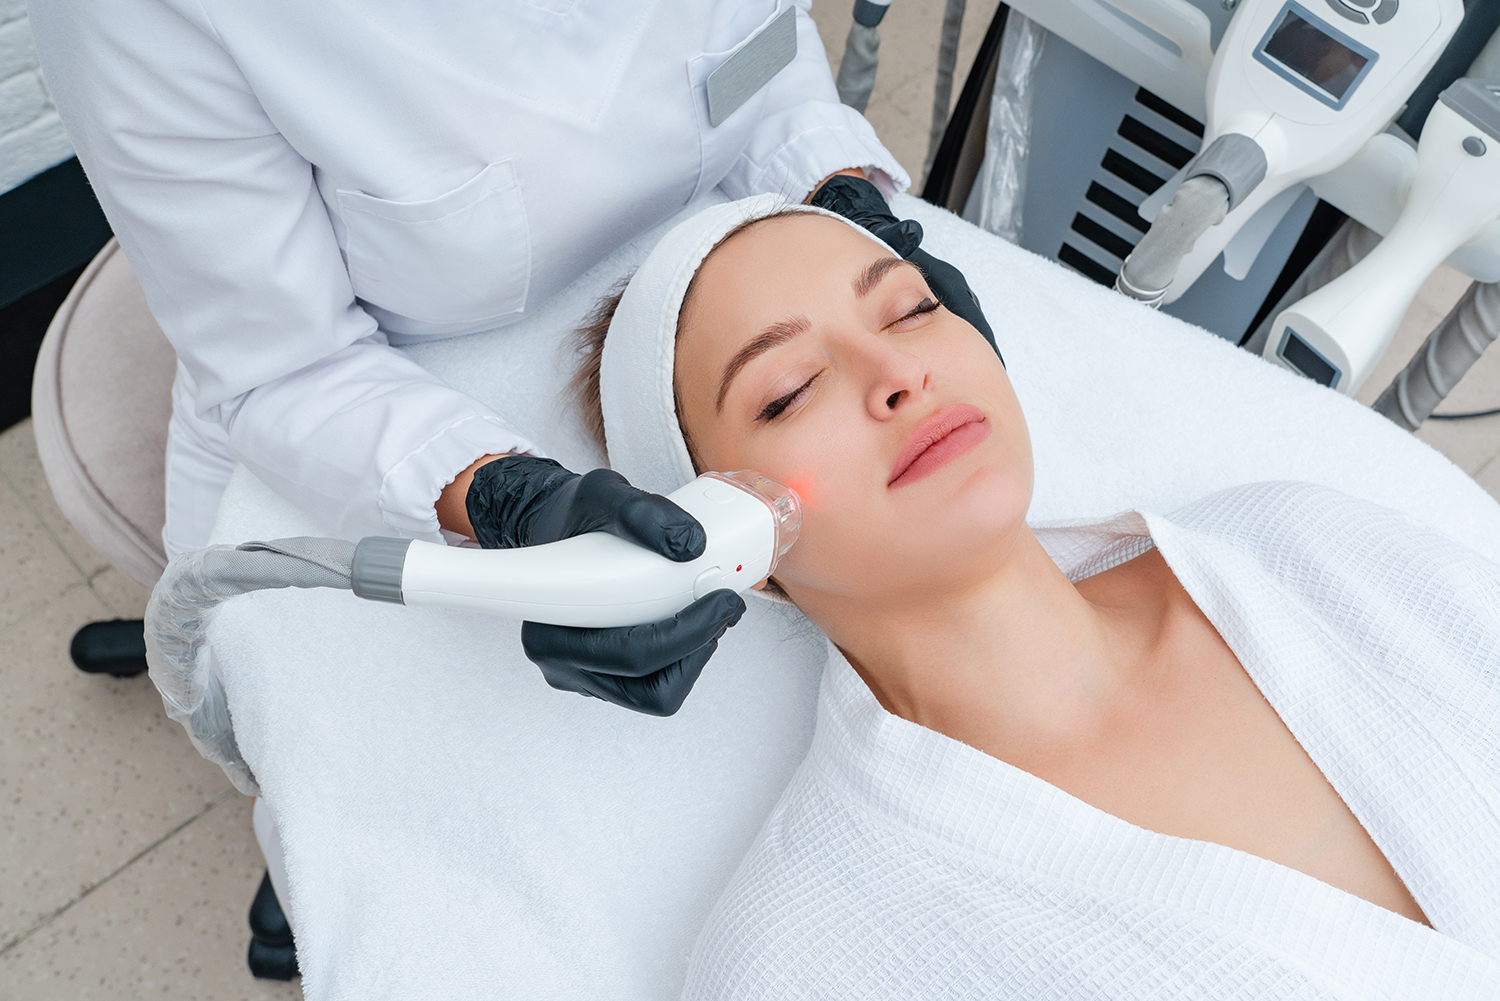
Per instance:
{"type": "Point", "coordinates": [939, 440]}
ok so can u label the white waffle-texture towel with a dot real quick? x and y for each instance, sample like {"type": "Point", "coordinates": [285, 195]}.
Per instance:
{"type": "Point", "coordinates": [903, 864]}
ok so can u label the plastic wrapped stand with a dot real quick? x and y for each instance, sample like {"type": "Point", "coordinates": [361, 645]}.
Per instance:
{"type": "Point", "coordinates": [1002, 178]}
{"type": "Point", "coordinates": [182, 607]}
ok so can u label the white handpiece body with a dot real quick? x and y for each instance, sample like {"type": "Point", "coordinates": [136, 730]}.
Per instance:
{"type": "Point", "coordinates": [599, 580]}
{"type": "Point", "coordinates": [1350, 321]}
{"type": "Point", "coordinates": [1306, 129]}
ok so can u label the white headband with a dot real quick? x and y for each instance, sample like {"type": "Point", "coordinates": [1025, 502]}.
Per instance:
{"type": "Point", "coordinates": [635, 370]}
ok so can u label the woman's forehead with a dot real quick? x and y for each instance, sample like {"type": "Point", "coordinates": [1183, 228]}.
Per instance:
{"type": "Point", "coordinates": [772, 265]}
{"type": "Point", "coordinates": [797, 236]}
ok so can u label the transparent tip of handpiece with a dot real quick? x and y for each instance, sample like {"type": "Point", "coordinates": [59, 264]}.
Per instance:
{"type": "Point", "coordinates": [785, 505]}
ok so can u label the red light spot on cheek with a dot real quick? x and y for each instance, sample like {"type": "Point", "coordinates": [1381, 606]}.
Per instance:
{"type": "Point", "coordinates": [807, 489]}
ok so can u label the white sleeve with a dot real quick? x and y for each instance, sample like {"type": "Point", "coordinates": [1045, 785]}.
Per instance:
{"type": "Point", "coordinates": [805, 133]}
{"type": "Point", "coordinates": [221, 219]}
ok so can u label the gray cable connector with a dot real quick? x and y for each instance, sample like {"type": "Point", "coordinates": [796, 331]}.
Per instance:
{"type": "Point", "coordinates": [1236, 161]}
{"type": "Point", "coordinates": [376, 569]}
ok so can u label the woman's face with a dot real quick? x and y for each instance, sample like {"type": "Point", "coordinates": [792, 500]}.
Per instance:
{"type": "Point", "coordinates": [808, 353]}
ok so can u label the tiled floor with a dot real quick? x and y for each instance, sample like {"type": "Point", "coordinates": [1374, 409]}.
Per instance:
{"type": "Point", "coordinates": [127, 862]}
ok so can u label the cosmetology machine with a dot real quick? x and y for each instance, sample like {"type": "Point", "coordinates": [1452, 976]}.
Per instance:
{"type": "Point", "coordinates": [1202, 156]}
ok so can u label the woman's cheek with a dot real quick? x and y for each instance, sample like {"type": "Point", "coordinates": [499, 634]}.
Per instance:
{"type": "Point", "coordinates": [804, 464]}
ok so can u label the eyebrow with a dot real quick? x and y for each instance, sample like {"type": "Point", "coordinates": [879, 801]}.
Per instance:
{"type": "Point", "coordinates": [775, 335]}
{"type": "Point", "coordinates": [782, 331]}
{"type": "Point", "coordinates": [874, 273]}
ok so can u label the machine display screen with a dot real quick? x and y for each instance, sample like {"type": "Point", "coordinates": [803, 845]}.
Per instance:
{"type": "Point", "coordinates": [1301, 356]}
{"type": "Point", "coordinates": [1314, 55]}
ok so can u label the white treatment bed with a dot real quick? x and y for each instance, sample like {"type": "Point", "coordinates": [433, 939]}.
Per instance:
{"type": "Point", "coordinates": [453, 828]}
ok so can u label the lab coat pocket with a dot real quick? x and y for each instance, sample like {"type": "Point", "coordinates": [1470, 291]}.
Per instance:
{"type": "Point", "coordinates": [721, 145]}
{"type": "Point", "coordinates": [461, 258]}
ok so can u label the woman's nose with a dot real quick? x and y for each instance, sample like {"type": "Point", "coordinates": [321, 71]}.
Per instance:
{"type": "Point", "coordinates": [899, 379]}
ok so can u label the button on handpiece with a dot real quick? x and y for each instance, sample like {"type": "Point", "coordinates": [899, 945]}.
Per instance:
{"type": "Point", "coordinates": [706, 582]}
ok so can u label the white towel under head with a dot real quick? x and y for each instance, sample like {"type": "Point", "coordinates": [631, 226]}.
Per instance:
{"type": "Point", "coordinates": [635, 372]}
{"type": "Point", "coordinates": [454, 828]}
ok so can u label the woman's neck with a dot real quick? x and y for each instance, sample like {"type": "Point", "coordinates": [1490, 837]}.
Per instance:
{"type": "Point", "coordinates": [1023, 655]}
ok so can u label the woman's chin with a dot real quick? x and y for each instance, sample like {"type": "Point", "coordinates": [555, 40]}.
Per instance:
{"type": "Point", "coordinates": [973, 496]}
{"type": "Point", "coordinates": [974, 520]}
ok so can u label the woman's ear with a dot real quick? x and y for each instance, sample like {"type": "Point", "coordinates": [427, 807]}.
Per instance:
{"type": "Point", "coordinates": [761, 586]}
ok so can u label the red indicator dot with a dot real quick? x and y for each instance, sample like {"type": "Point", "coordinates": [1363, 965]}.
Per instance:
{"type": "Point", "coordinates": [739, 568]}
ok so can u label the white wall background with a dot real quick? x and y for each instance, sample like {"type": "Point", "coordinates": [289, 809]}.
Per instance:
{"type": "Point", "coordinates": [31, 135]}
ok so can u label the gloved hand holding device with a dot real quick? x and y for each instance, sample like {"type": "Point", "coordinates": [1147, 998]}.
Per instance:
{"type": "Point", "coordinates": [521, 500]}
{"type": "Point", "coordinates": [859, 201]}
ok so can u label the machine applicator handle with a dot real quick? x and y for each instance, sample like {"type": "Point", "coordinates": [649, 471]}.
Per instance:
{"type": "Point", "coordinates": [596, 580]}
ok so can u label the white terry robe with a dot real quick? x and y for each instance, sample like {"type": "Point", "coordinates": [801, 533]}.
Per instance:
{"type": "Point", "coordinates": [901, 863]}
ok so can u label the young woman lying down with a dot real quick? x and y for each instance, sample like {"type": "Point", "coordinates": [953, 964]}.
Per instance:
{"type": "Point", "coordinates": [1250, 748]}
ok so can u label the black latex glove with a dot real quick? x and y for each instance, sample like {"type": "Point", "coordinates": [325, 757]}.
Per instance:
{"type": "Point", "coordinates": [521, 500]}
{"type": "Point", "coordinates": [859, 201]}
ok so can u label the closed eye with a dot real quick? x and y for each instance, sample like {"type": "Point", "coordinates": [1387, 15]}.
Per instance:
{"type": "Point", "coordinates": [927, 305]}
{"type": "Point", "coordinates": [774, 409]}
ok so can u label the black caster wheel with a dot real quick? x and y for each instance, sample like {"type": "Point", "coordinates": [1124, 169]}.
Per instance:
{"type": "Point", "coordinates": [116, 647]}
{"type": "Point", "coordinates": [273, 954]}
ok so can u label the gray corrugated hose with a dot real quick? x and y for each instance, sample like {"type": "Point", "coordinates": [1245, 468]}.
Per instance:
{"type": "Point", "coordinates": [861, 54]}
{"type": "Point", "coordinates": [1449, 351]}
{"type": "Point", "coordinates": [181, 608]}
{"type": "Point", "coordinates": [942, 91]}
{"type": "Point", "coordinates": [857, 69]}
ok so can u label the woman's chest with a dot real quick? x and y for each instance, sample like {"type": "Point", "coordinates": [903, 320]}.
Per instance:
{"type": "Point", "coordinates": [1197, 752]}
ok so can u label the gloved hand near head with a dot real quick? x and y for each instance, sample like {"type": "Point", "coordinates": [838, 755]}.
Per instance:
{"type": "Point", "coordinates": [861, 202]}
{"type": "Point", "coordinates": [521, 500]}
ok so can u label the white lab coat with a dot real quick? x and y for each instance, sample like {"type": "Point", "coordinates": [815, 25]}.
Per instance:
{"type": "Point", "coordinates": [299, 185]}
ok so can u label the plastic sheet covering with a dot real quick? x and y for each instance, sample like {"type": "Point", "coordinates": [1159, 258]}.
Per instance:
{"type": "Point", "coordinates": [1200, 202]}
{"type": "Point", "coordinates": [182, 607]}
{"type": "Point", "coordinates": [1002, 178]}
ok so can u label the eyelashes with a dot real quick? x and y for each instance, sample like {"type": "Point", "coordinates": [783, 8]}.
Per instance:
{"type": "Point", "coordinates": [774, 409]}
{"type": "Point", "coordinates": [778, 406]}
{"type": "Point", "coordinates": [927, 305]}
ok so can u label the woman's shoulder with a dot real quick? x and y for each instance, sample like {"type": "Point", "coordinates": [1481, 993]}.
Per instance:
{"type": "Point", "coordinates": [1408, 602]}
{"type": "Point", "coordinates": [1337, 551]}
{"type": "Point", "coordinates": [1282, 517]}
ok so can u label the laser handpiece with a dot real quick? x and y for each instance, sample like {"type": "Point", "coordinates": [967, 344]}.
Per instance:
{"type": "Point", "coordinates": [1338, 334]}
{"type": "Point", "coordinates": [596, 580]}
